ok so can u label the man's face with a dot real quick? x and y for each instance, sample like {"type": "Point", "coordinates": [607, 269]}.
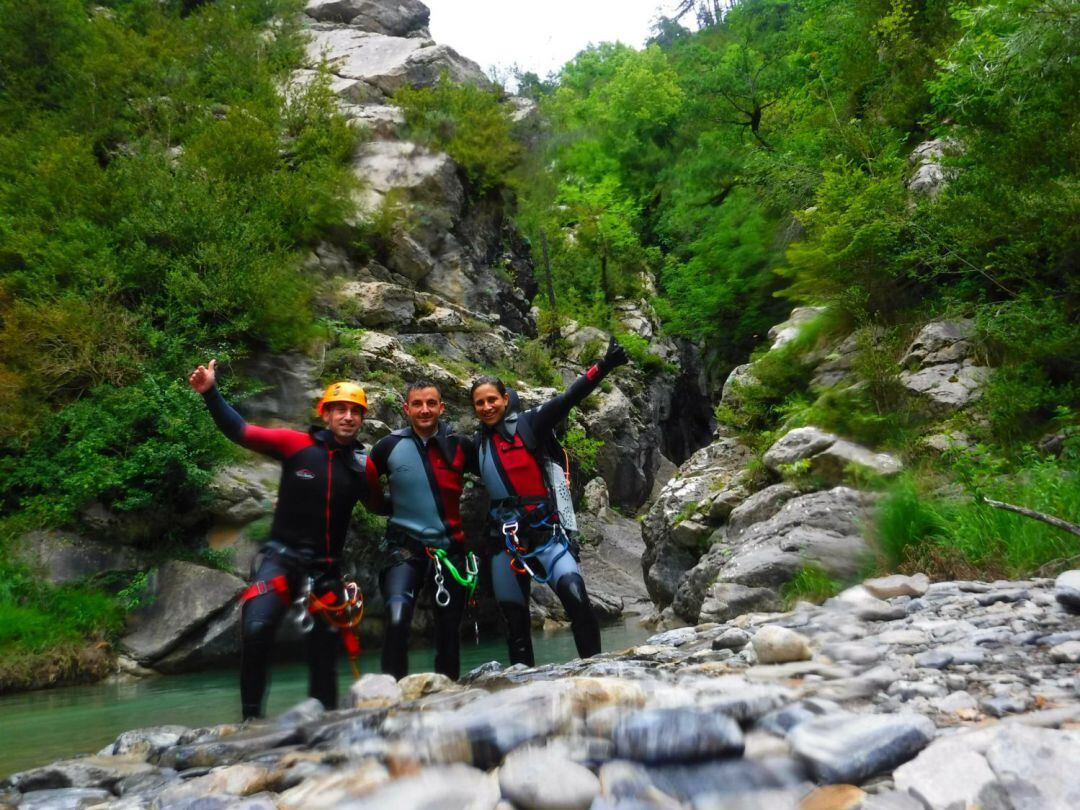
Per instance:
{"type": "Point", "coordinates": [343, 419]}
{"type": "Point", "coordinates": [423, 409]}
{"type": "Point", "coordinates": [489, 404]}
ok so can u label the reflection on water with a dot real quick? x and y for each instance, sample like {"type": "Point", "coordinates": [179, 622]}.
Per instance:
{"type": "Point", "coordinates": [39, 727]}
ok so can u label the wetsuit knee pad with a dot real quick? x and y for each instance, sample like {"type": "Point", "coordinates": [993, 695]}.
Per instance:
{"type": "Point", "coordinates": [583, 623]}
{"type": "Point", "coordinates": [571, 591]}
{"type": "Point", "coordinates": [398, 612]}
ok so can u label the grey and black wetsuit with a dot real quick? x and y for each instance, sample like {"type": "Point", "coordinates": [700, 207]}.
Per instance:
{"type": "Point", "coordinates": [321, 481]}
{"type": "Point", "coordinates": [426, 480]}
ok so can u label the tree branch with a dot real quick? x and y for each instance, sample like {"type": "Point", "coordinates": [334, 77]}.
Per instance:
{"type": "Point", "coordinates": [1031, 513]}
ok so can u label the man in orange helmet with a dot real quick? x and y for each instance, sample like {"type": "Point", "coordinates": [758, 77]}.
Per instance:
{"type": "Point", "coordinates": [325, 471]}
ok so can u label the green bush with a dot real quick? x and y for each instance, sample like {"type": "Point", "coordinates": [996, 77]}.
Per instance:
{"type": "Point", "coordinates": [35, 616]}
{"type": "Point", "coordinates": [536, 365]}
{"type": "Point", "coordinates": [810, 584]}
{"type": "Point", "coordinates": [149, 445]}
{"type": "Point", "coordinates": [637, 348]}
{"type": "Point", "coordinates": [1036, 347]}
{"type": "Point", "coordinates": [961, 536]}
{"type": "Point", "coordinates": [582, 450]}
{"type": "Point", "coordinates": [905, 520]}
{"type": "Point", "coordinates": [468, 123]}
{"type": "Point", "coordinates": [159, 196]}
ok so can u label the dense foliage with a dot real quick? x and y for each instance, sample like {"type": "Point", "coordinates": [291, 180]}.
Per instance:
{"type": "Point", "coordinates": [155, 190]}
{"type": "Point", "coordinates": [764, 160]}
{"type": "Point", "coordinates": [768, 153]}
{"type": "Point", "coordinates": [468, 123]}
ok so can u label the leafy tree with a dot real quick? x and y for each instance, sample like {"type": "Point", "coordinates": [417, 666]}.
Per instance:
{"type": "Point", "coordinates": [468, 123]}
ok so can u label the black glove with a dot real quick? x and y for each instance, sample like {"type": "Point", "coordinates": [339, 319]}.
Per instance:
{"type": "Point", "coordinates": [616, 356]}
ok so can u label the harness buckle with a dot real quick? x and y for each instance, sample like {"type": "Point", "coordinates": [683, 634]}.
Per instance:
{"type": "Point", "coordinates": [260, 587]}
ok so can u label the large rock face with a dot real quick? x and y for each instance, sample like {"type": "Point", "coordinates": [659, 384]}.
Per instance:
{"type": "Point", "coordinates": [192, 618]}
{"type": "Point", "coordinates": [823, 529]}
{"type": "Point", "coordinates": [68, 557]}
{"type": "Point", "coordinates": [689, 507]}
{"type": "Point", "coordinates": [370, 64]}
{"type": "Point", "coordinates": [400, 18]}
{"type": "Point", "coordinates": [611, 553]}
{"type": "Point", "coordinates": [829, 457]}
{"type": "Point", "coordinates": [942, 366]}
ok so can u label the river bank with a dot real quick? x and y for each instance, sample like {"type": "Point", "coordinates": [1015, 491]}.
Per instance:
{"type": "Point", "coordinates": [68, 721]}
{"type": "Point", "coordinates": [908, 694]}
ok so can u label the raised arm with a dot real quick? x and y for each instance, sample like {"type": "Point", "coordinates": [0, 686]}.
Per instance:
{"type": "Point", "coordinates": [558, 408]}
{"type": "Point", "coordinates": [278, 443]}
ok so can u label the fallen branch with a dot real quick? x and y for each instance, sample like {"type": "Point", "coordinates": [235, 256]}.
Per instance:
{"type": "Point", "coordinates": [1031, 513]}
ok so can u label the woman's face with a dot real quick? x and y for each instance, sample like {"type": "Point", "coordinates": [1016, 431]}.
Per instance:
{"type": "Point", "coordinates": [489, 404]}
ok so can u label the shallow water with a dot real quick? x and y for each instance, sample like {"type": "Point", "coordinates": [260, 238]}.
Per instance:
{"type": "Point", "coordinates": [40, 727]}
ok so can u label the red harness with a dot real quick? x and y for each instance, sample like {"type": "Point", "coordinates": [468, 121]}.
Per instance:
{"type": "Point", "coordinates": [345, 616]}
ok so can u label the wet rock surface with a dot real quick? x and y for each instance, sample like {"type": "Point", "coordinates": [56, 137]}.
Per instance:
{"type": "Point", "coordinates": [957, 699]}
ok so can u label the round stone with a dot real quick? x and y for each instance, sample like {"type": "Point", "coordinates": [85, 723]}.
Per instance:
{"type": "Point", "coordinates": [544, 779]}
{"type": "Point", "coordinates": [682, 734]}
{"type": "Point", "coordinates": [778, 645]}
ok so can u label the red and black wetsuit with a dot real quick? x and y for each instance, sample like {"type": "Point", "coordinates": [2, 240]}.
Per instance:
{"type": "Point", "coordinates": [515, 480]}
{"type": "Point", "coordinates": [426, 480]}
{"type": "Point", "coordinates": [321, 482]}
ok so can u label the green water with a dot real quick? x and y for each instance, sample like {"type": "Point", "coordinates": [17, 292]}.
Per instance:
{"type": "Point", "coordinates": [40, 727]}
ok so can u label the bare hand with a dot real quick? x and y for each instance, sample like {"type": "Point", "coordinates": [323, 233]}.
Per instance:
{"type": "Point", "coordinates": [203, 378]}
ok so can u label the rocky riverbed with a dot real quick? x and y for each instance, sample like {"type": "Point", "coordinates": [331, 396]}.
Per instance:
{"type": "Point", "coordinates": [896, 694]}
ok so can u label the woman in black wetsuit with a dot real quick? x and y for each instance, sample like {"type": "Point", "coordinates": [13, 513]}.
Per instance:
{"type": "Point", "coordinates": [524, 519]}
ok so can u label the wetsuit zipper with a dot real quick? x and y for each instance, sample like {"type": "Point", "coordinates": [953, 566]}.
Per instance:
{"type": "Point", "coordinates": [329, 490]}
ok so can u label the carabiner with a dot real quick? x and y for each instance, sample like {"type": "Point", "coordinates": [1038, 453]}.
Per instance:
{"type": "Point", "coordinates": [304, 620]}
{"type": "Point", "coordinates": [442, 596]}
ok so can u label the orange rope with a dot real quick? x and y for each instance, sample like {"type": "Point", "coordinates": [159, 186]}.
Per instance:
{"type": "Point", "coordinates": [352, 608]}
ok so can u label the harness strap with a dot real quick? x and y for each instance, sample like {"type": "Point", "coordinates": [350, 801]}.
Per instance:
{"type": "Point", "coordinates": [278, 584]}
{"type": "Point", "coordinates": [519, 557]}
{"type": "Point", "coordinates": [519, 500]}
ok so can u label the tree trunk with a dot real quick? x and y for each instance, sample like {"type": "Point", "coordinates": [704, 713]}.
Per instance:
{"type": "Point", "coordinates": [547, 271]}
{"type": "Point", "coordinates": [604, 278]}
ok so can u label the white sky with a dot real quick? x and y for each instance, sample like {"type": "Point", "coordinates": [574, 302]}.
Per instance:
{"type": "Point", "coordinates": [538, 35]}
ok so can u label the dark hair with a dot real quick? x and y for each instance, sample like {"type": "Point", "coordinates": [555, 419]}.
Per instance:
{"type": "Point", "coordinates": [487, 379]}
{"type": "Point", "coordinates": [421, 383]}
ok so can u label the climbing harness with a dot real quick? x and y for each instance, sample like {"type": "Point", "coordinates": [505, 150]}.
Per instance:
{"type": "Point", "coordinates": [344, 615]}
{"type": "Point", "coordinates": [519, 556]}
{"type": "Point", "coordinates": [278, 585]}
{"type": "Point", "coordinates": [468, 581]}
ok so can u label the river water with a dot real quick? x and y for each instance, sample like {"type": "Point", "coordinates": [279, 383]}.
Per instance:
{"type": "Point", "coordinates": [40, 727]}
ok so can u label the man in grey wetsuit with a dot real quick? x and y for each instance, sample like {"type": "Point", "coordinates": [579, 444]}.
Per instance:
{"type": "Point", "coordinates": [424, 464]}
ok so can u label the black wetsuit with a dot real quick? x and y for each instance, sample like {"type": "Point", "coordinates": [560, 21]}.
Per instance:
{"type": "Point", "coordinates": [425, 480]}
{"type": "Point", "coordinates": [321, 482]}
{"type": "Point", "coordinates": [518, 487]}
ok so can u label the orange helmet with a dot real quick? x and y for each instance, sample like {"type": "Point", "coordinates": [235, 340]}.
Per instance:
{"type": "Point", "coordinates": [342, 392]}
